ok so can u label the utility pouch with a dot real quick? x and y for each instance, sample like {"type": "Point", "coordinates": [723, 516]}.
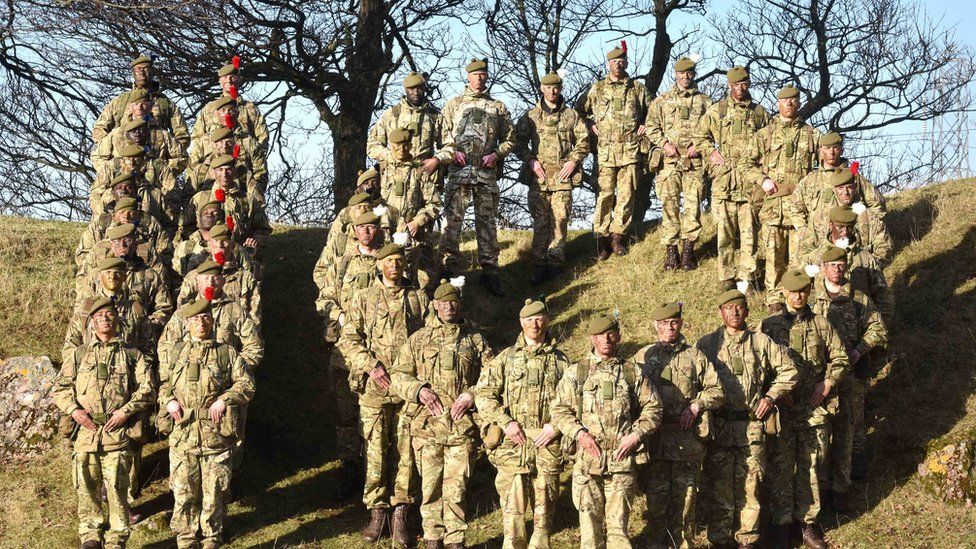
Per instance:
{"type": "Point", "coordinates": [193, 371]}
{"type": "Point", "coordinates": [448, 359]}
{"type": "Point", "coordinates": [477, 116]}
{"type": "Point", "coordinates": [666, 374]}
{"type": "Point", "coordinates": [736, 126]}
{"type": "Point", "coordinates": [684, 112]}
{"type": "Point", "coordinates": [789, 150]}
{"type": "Point", "coordinates": [534, 375]}
{"type": "Point", "coordinates": [618, 104]}
{"type": "Point", "coordinates": [606, 388]}
{"type": "Point", "coordinates": [398, 188]}
{"type": "Point", "coordinates": [102, 371]}
{"type": "Point", "coordinates": [737, 366]}
{"type": "Point", "coordinates": [796, 341]}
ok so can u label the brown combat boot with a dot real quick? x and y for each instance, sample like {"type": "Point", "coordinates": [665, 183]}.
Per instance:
{"type": "Point", "coordinates": [435, 544]}
{"type": "Point", "coordinates": [619, 243]}
{"type": "Point", "coordinates": [603, 248]}
{"type": "Point", "coordinates": [671, 260]}
{"type": "Point", "coordinates": [401, 538]}
{"type": "Point", "coordinates": [377, 523]}
{"type": "Point", "coordinates": [812, 537]}
{"type": "Point", "coordinates": [688, 261]}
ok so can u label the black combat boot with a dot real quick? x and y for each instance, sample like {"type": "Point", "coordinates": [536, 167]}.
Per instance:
{"type": "Point", "coordinates": [688, 261]}
{"type": "Point", "coordinates": [435, 544]}
{"type": "Point", "coordinates": [671, 259]}
{"type": "Point", "coordinates": [401, 537]}
{"type": "Point", "coordinates": [377, 524]}
{"type": "Point", "coordinates": [91, 544]}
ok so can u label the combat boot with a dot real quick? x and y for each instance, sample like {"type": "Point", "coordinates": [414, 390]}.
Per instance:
{"type": "Point", "coordinates": [492, 283]}
{"type": "Point", "coordinates": [400, 536]}
{"type": "Point", "coordinates": [619, 244]}
{"type": "Point", "coordinates": [377, 523]}
{"type": "Point", "coordinates": [671, 259]}
{"type": "Point", "coordinates": [603, 248]}
{"type": "Point", "coordinates": [539, 275]}
{"type": "Point", "coordinates": [688, 261]}
{"type": "Point", "coordinates": [812, 537]}
{"type": "Point", "coordinates": [435, 544]}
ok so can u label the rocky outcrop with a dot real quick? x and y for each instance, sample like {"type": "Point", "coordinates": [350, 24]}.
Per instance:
{"type": "Point", "coordinates": [28, 416]}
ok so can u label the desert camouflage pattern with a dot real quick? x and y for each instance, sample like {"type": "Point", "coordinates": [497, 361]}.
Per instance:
{"type": "Point", "coordinates": [425, 124]}
{"type": "Point", "coordinates": [165, 115]}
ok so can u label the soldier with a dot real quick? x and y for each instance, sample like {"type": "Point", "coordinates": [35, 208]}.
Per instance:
{"type": "Point", "coordinates": [754, 373]}
{"type": "Point", "coordinates": [204, 386]}
{"type": "Point", "coordinates": [438, 369]}
{"type": "Point", "coordinates": [151, 241]}
{"type": "Point", "coordinates": [689, 390]}
{"type": "Point", "coordinates": [415, 195]}
{"type": "Point", "coordinates": [674, 118]}
{"type": "Point", "coordinates": [378, 322]}
{"type": "Point", "coordinates": [861, 330]}
{"type": "Point", "coordinates": [616, 113]}
{"type": "Point", "coordinates": [611, 409]}
{"type": "Point", "coordinates": [165, 114]}
{"type": "Point", "coordinates": [249, 120]}
{"type": "Point", "coordinates": [212, 240]}
{"type": "Point", "coordinates": [515, 395]}
{"type": "Point", "coordinates": [102, 385]}
{"type": "Point", "coordinates": [781, 154]}
{"type": "Point", "coordinates": [251, 164]}
{"type": "Point", "coordinates": [158, 143]}
{"type": "Point", "coordinates": [337, 281]}
{"type": "Point", "coordinates": [727, 129]}
{"type": "Point", "coordinates": [422, 119]}
{"type": "Point", "coordinates": [551, 139]}
{"type": "Point", "coordinates": [155, 186]}
{"type": "Point", "coordinates": [342, 233]}
{"type": "Point", "coordinates": [478, 135]}
{"type": "Point", "coordinates": [797, 456]}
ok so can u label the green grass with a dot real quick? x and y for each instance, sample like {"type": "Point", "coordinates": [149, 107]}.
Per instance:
{"type": "Point", "coordinates": [291, 478]}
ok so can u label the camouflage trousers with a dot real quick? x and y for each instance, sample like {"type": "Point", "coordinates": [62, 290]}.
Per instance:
{"type": "Point", "coordinates": [848, 434]}
{"type": "Point", "coordinates": [444, 474]}
{"type": "Point", "coordinates": [92, 471]}
{"type": "Point", "coordinates": [797, 458]}
{"type": "Point", "coordinates": [134, 483]}
{"type": "Point", "coordinates": [200, 485]}
{"type": "Point", "coordinates": [345, 411]}
{"type": "Point", "coordinates": [673, 184]}
{"type": "Point", "coordinates": [422, 266]}
{"type": "Point", "coordinates": [459, 193]}
{"type": "Point", "coordinates": [390, 463]}
{"type": "Point", "coordinates": [733, 475]}
{"type": "Point", "coordinates": [604, 503]}
{"type": "Point", "coordinates": [616, 196]}
{"type": "Point", "coordinates": [672, 488]}
{"type": "Point", "coordinates": [778, 243]}
{"type": "Point", "coordinates": [550, 219]}
{"type": "Point", "coordinates": [735, 223]}
{"type": "Point", "coordinates": [527, 479]}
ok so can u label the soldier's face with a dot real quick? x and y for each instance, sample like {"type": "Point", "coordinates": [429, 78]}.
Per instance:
{"type": "Point", "coordinates": [534, 327]}
{"type": "Point", "coordinates": [447, 311]}
{"type": "Point", "coordinates": [122, 189]}
{"type": "Point", "coordinates": [478, 80]}
{"type": "Point", "coordinates": [400, 151]}
{"type": "Point", "coordinates": [214, 281]}
{"type": "Point", "coordinates": [844, 194]}
{"type": "Point", "coordinates": [551, 93]}
{"type": "Point", "coordinates": [739, 90]}
{"type": "Point", "coordinates": [111, 279]}
{"type": "Point", "coordinates": [223, 176]}
{"type": "Point", "coordinates": [416, 95]}
{"type": "Point", "coordinates": [617, 67]}
{"type": "Point", "coordinates": [370, 186]}
{"type": "Point", "coordinates": [368, 234]}
{"type": "Point", "coordinates": [734, 315]}
{"type": "Point", "coordinates": [788, 108]}
{"type": "Point", "coordinates": [392, 267]}
{"type": "Point", "coordinates": [229, 81]}
{"type": "Point", "coordinates": [224, 146]}
{"type": "Point", "coordinates": [104, 321]}
{"type": "Point", "coordinates": [684, 79]}
{"type": "Point", "coordinates": [122, 247]}
{"type": "Point", "coordinates": [835, 271]}
{"type": "Point", "coordinates": [798, 300]}
{"type": "Point", "coordinates": [125, 216]}
{"type": "Point", "coordinates": [606, 344]}
{"type": "Point", "coordinates": [140, 109]}
{"type": "Point", "coordinates": [141, 74]}
{"type": "Point", "coordinates": [225, 245]}
{"type": "Point", "coordinates": [668, 330]}
{"type": "Point", "coordinates": [200, 326]}
{"type": "Point", "coordinates": [830, 155]}
{"type": "Point", "coordinates": [209, 218]}
{"type": "Point", "coordinates": [840, 231]}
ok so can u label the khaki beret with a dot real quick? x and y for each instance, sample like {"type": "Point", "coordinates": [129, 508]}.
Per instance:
{"type": "Point", "coordinates": [194, 308]}
{"type": "Point", "coordinates": [127, 177]}
{"type": "Point", "coordinates": [414, 79]}
{"type": "Point", "coordinates": [534, 307]}
{"type": "Point", "coordinates": [788, 92]}
{"type": "Point", "coordinates": [137, 95]}
{"type": "Point", "coordinates": [477, 65]}
{"type": "Point", "coordinates": [211, 202]}
{"type": "Point", "coordinates": [388, 250]}
{"type": "Point", "coordinates": [833, 253]}
{"type": "Point", "coordinates": [358, 198]}
{"type": "Point", "coordinates": [795, 280]}
{"type": "Point", "coordinates": [601, 324]}
{"type": "Point", "coordinates": [121, 231]}
{"type": "Point", "coordinates": [224, 101]}
{"type": "Point", "coordinates": [141, 60]}
{"type": "Point", "coordinates": [111, 264]}
{"type": "Point", "coordinates": [737, 74]}
{"type": "Point", "coordinates": [616, 53]}
{"type": "Point", "coordinates": [134, 124]}
{"type": "Point", "coordinates": [126, 203]}
{"type": "Point", "coordinates": [229, 68]}
{"type": "Point", "coordinates": [400, 135]}
{"type": "Point", "coordinates": [366, 176]}
{"type": "Point", "coordinates": [831, 139]}
{"type": "Point", "coordinates": [843, 215]}
{"type": "Point", "coordinates": [221, 133]}
{"type": "Point", "coordinates": [221, 161]}
{"type": "Point", "coordinates": [209, 267]}
{"type": "Point", "coordinates": [841, 176]}
{"type": "Point", "coordinates": [447, 292]}
{"type": "Point", "coordinates": [552, 79]}
{"type": "Point", "coordinates": [132, 151]}
{"type": "Point", "coordinates": [731, 296]}
{"type": "Point", "coordinates": [666, 310]}
{"type": "Point", "coordinates": [99, 304]}
{"type": "Point", "coordinates": [368, 218]}
{"type": "Point", "coordinates": [684, 65]}
{"type": "Point", "coordinates": [220, 231]}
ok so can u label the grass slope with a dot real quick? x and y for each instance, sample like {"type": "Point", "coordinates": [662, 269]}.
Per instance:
{"type": "Point", "coordinates": [291, 477]}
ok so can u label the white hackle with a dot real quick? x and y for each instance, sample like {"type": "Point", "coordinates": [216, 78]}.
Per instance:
{"type": "Point", "coordinates": [380, 210]}
{"type": "Point", "coordinates": [742, 286]}
{"type": "Point", "coordinates": [812, 270]}
{"type": "Point", "coordinates": [562, 73]}
{"type": "Point", "coordinates": [401, 239]}
{"type": "Point", "coordinates": [457, 282]}
{"type": "Point", "coordinates": [842, 243]}
{"type": "Point", "coordinates": [859, 208]}
{"type": "Point", "coordinates": [695, 57]}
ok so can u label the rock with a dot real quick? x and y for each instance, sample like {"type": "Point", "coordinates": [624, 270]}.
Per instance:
{"type": "Point", "coordinates": [28, 416]}
{"type": "Point", "coordinates": [948, 469]}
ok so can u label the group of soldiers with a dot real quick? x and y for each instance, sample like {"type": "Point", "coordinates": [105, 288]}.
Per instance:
{"type": "Point", "coordinates": [166, 332]}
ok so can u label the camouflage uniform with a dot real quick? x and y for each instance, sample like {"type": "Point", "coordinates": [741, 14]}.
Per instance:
{"type": "Point", "coordinates": [553, 137]}
{"type": "Point", "coordinates": [520, 385]}
{"type": "Point", "coordinates": [247, 212]}
{"type": "Point", "coordinates": [865, 275]}
{"type": "Point", "coordinates": [616, 110]}
{"type": "Point", "coordinates": [797, 457]}
{"type": "Point", "coordinates": [378, 321]}
{"type": "Point", "coordinates": [152, 242]}
{"type": "Point", "coordinates": [232, 325]}
{"type": "Point", "coordinates": [674, 117]}
{"type": "Point", "coordinates": [251, 166]}
{"type": "Point", "coordinates": [426, 126]}
{"type": "Point", "coordinates": [193, 251]}
{"type": "Point", "coordinates": [240, 285]}
{"type": "Point", "coordinates": [416, 197]}
{"type": "Point", "coordinates": [730, 126]}
{"type": "Point", "coordinates": [132, 325]}
{"type": "Point", "coordinates": [446, 358]}
{"type": "Point", "coordinates": [860, 328]}
{"type": "Point", "coordinates": [250, 124]}
{"type": "Point", "coordinates": [144, 282]}
{"type": "Point", "coordinates": [610, 398]}
{"type": "Point", "coordinates": [342, 234]}
{"type": "Point", "coordinates": [750, 366]}
{"type": "Point", "coordinates": [102, 378]}
{"type": "Point", "coordinates": [784, 151]}
{"type": "Point", "coordinates": [683, 376]}
{"type": "Point", "coordinates": [165, 115]}
{"type": "Point", "coordinates": [196, 374]}
{"type": "Point", "coordinates": [157, 190]}
{"type": "Point", "coordinates": [476, 125]}
{"type": "Point", "coordinates": [162, 146]}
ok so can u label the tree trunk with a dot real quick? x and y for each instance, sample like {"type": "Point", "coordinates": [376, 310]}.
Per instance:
{"type": "Point", "coordinates": [348, 157]}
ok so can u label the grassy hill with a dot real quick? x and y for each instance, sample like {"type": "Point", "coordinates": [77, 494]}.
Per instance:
{"type": "Point", "coordinates": [291, 477]}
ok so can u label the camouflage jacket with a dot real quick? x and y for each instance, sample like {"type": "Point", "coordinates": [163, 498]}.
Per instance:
{"type": "Point", "coordinates": [101, 378]}
{"type": "Point", "coordinates": [151, 241]}
{"type": "Point", "coordinates": [144, 282]}
{"type": "Point", "coordinates": [415, 195]}
{"type": "Point", "coordinates": [379, 320]}
{"type": "Point", "coordinates": [342, 236]}
{"type": "Point", "coordinates": [617, 110]}
{"type": "Point", "coordinates": [250, 124]}
{"type": "Point", "coordinates": [196, 374]}
{"type": "Point", "coordinates": [784, 151]}
{"type": "Point", "coordinates": [553, 137]}
{"type": "Point", "coordinates": [816, 349]}
{"type": "Point", "coordinates": [683, 376]}
{"type": "Point", "coordinates": [750, 366]}
{"type": "Point", "coordinates": [193, 251]}
{"type": "Point", "coordinates": [729, 126]}
{"type": "Point", "coordinates": [133, 327]}
{"type": "Point", "coordinates": [162, 146]}
{"type": "Point", "coordinates": [251, 166]}
{"type": "Point", "coordinates": [338, 281]}
{"type": "Point", "coordinates": [165, 115]}
{"type": "Point", "coordinates": [609, 398]}
{"type": "Point", "coordinates": [675, 117]}
{"type": "Point", "coordinates": [157, 190]}
{"type": "Point", "coordinates": [446, 358]}
{"type": "Point", "coordinates": [476, 125]}
{"type": "Point", "coordinates": [247, 212]}
{"type": "Point", "coordinates": [239, 284]}
{"type": "Point", "coordinates": [232, 325]}
{"type": "Point", "coordinates": [426, 126]}
{"type": "Point", "coordinates": [853, 315]}
{"type": "Point", "coordinates": [863, 271]}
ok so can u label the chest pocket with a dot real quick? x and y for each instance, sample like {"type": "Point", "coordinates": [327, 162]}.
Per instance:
{"type": "Point", "coordinates": [738, 365]}
{"type": "Point", "coordinates": [684, 112]}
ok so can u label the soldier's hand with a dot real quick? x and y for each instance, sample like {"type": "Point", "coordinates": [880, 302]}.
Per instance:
{"type": "Point", "coordinates": [380, 377]}
{"type": "Point", "coordinates": [412, 228]}
{"type": "Point", "coordinates": [175, 410]}
{"type": "Point", "coordinates": [430, 399]}
{"type": "Point", "coordinates": [431, 165]}
{"type": "Point", "coordinates": [488, 161]}
{"type": "Point", "coordinates": [513, 432]}
{"type": "Point", "coordinates": [641, 130]}
{"type": "Point", "coordinates": [461, 406]}
{"type": "Point", "coordinates": [460, 159]}
{"type": "Point", "coordinates": [82, 418]}
{"type": "Point", "coordinates": [250, 242]}
{"type": "Point", "coordinates": [688, 416]}
{"type": "Point", "coordinates": [342, 319]}
{"type": "Point", "coordinates": [117, 420]}
{"type": "Point", "coordinates": [670, 150]}
{"type": "Point", "coordinates": [593, 129]}
{"type": "Point", "coordinates": [217, 410]}
{"type": "Point", "coordinates": [820, 392]}
{"type": "Point", "coordinates": [538, 169]}
{"type": "Point", "coordinates": [854, 356]}
{"type": "Point", "coordinates": [692, 152]}
{"type": "Point", "coordinates": [568, 168]}
{"type": "Point", "coordinates": [545, 437]}
{"type": "Point", "coordinates": [588, 443]}
{"type": "Point", "coordinates": [765, 406]}
{"type": "Point", "coordinates": [626, 446]}
{"type": "Point", "coordinates": [769, 186]}
{"type": "Point", "coordinates": [717, 158]}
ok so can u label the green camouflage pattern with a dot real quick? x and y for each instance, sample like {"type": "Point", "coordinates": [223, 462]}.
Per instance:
{"type": "Point", "coordinates": [425, 124]}
{"type": "Point", "coordinates": [144, 283]}
{"type": "Point", "coordinates": [94, 471]}
{"type": "Point", "coordinates": [232, 326]}
{"type": "Point", "coordinates": [162, 146]}
{"type": "Point", "coordinates": [165, 115]}
{"type": "Point", "coordinates": [550, 212]}
{"type": "Point", "coordinates": [152, 242]}
{"type": "Point", "coordinates": [553, 137]}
